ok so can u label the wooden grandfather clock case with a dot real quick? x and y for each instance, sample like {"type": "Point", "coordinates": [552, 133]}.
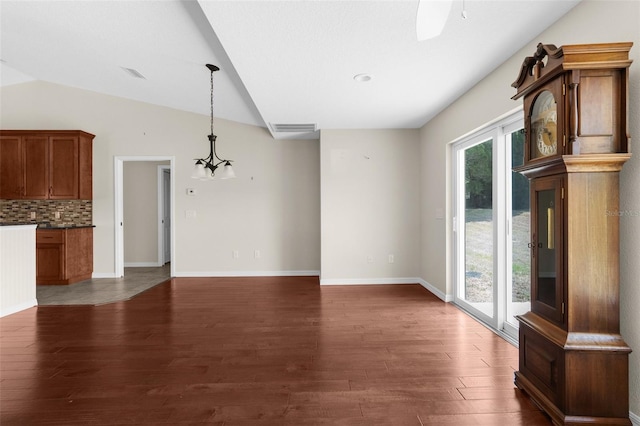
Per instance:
{"type": "Point", "coordinates": [573, 362]}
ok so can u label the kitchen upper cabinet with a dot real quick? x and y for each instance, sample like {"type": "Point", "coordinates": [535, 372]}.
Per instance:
{"type": "Point", "coordinates": [11, 169]}
{"type": "Point", "coordinates": [46, 164]}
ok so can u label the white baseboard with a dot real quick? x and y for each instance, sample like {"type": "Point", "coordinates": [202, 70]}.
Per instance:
{"type": "Point", "coordinates": [368, 281]}
{"type": "Point", "coordinates": [8, 310]}
{"type": "Point", "coordinates": [635, 419]}
{"type": "Point", "coordinates": [104, 275]}
{"type": "Point", "coordinates": [249, 274]}
{"type": "Point", "coordinates": [142, 264]}
{"type": "Point", "coordinates": [436, 291]}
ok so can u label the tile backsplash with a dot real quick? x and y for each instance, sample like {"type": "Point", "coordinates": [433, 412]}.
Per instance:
{"type": "Point", "coordinates": [70, 212]}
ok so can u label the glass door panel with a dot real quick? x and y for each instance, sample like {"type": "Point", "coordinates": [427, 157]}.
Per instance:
{"type": "Point", "coordinates": [478, 228]}
{"type": "Point", "coordinates": [519, 281]}
{"type": "Point", "coordinates": [547, 264]}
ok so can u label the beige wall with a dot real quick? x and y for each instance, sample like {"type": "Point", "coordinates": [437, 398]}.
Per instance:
{"type": "Point", "coordinates": [140, 210]}
{"type": "Point", "coordinates": [370, 205]}
{"type": "Point", "coordinates": [273, 206]}
{"type": "Point", "coordinates": [589, 22]}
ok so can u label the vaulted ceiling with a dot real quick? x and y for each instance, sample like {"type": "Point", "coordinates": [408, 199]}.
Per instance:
{"type": "Point", "coordinates": [282, 62]}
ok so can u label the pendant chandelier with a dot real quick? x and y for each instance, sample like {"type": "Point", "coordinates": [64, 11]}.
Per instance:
{"type": "Point", "coordinates": [205, 168]}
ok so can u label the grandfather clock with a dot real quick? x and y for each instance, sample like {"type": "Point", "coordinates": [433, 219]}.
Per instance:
{"type": "Point", "coordinates": [573, 362]}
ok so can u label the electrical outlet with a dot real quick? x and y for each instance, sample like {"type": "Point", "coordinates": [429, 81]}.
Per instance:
{"type": "Point", "coordinates": [190, 214]}
{"type": "Point", "coordinates": [236, 254]}
{"type": "Point", "coordinates": [369, 259]}
{"type": "Point", "coordinates": [392, 258]}
{"type": "Point", "coordinates": [256, 254]}
{"type": "Point", "coordinates": [56, 215]}
{"type": "Point", "coordinates": [32, 215]}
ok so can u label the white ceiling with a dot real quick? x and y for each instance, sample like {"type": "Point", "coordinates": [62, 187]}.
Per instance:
{"type": "Point", "coordinates": [281, 61]}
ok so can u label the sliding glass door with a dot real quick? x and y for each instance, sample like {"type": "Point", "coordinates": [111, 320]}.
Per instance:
{"type": "Point", "coordinates": [491, 225]}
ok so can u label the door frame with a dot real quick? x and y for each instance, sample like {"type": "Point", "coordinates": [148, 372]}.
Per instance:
{"type": "Point", "coordinates": [118, 175]}
{"type": "Point", "coordinates": [161, 203]}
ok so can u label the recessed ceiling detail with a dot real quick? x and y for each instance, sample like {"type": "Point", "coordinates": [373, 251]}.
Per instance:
{"type": "Point", "coordinates": [133, 73]}
{"type": "Point", "coordinates": [293, 128]}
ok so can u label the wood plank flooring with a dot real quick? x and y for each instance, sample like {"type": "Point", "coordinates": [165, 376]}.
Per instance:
{"type": "Point", "coordinates": [259, 351]}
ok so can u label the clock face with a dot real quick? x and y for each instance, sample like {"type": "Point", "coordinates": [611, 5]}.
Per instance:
{"type": "Point", "coordinates": [544, 126]}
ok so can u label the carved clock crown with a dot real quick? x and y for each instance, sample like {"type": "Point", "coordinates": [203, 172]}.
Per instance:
{"type": "Point", "coordinates": [536, 70]}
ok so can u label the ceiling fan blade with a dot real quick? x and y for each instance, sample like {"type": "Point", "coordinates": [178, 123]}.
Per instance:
{"type": "Point", "coordinates": [431, 17]}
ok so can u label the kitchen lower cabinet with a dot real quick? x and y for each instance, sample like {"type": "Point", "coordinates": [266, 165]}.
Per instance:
{"type": "Point", "coordinates": [64, 256]}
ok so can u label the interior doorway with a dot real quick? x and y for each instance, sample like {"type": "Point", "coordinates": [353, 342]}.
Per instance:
{"type": "Point", "coordinates": [165, 195]}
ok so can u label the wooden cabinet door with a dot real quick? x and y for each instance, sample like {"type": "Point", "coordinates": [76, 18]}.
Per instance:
{"type": "Point", "coordinates": [63, 167]}
{"type": "Point", "coordinates": [49, 262]}
{"type": "Point", "coordinates": [85, 170]}
{"type": "Point", "coordinates": [79, 252]}
{"type": "Point", "coordinates": [11, 167]}
{"type": "Point", "coordinates": [36, 167]}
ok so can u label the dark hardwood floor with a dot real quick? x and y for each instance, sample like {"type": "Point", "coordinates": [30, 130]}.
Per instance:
{"type": "Point", "coordinates": [259, 351]}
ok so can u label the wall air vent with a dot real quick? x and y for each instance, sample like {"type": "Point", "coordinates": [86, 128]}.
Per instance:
{"type": "Point", "coordinates": [293, 128]}
{"type": "Point", "coordinates": [133, 73]}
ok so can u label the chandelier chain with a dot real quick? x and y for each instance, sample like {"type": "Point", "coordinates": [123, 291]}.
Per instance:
{"type": "Point", "coordinates": [212, 102]}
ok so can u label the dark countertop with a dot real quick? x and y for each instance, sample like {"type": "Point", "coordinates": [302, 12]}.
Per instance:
{"type": "Point", "coordinates": [54, 226]}
{"type": "Point", "coordinates": [47, 225]}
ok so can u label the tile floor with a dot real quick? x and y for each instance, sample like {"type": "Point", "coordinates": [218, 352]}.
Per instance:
{"type": "Point", "coordinates": [99, 291]}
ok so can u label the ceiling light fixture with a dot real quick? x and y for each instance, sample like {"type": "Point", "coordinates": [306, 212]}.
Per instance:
{"type": "Point", "coordinates": [362, 78]}
{"type": "Point", "coordinates": [205, 168]}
